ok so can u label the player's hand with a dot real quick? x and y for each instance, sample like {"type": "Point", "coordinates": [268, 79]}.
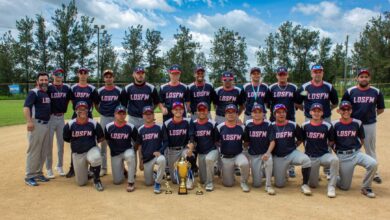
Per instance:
{"type": "Point", "coordinates": [265, 157]}
{"type": "Point", "coordinates": [164, 111]}
{"type": "Point", "coordinates": [141, 166]}
{"type": "Point", "coordinates": [156, 154]}
{"type": "Point", "coordinates": [30, 126]}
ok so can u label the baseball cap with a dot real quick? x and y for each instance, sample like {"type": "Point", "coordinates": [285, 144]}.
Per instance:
{"type": "Point", "coordinates": [147, 108]}
{"type": "Point", "coordinates": [257, 106]}
{"type": "Point", "coordinates": [108, 71]}
{"type": "Point", "coordinates": [58, 72]}
{"type": "Point", "coordinates": [255, 69]}
{"type": "Point", "coordinates": [227, 76]}
{"type": "Point", "coordinates": [203, 105]}
{"type": "Point", "coordinates": [199, 68]}
{"type": "Point", "coordinates": [231, 107]}
{"type": "Point", "coordinates": [361, 71]}
{"type": "Point", "coordinates": [83, 70]}
{"type": "Point", "coordinates": [345, 105]}
{"type": "Point", "coordinates": [175, 69]}
{"type": "Point", "coordinates": [177, 104]}
{"type": "Point", "coordinates": [316, 106]}
{"type": "Point", "coordinates": [279, 106]}
{"type": "Point", "coordinates": [281, 69]}
{"type": "Point", "coordinates": [317, 67]}
{"type": "Point", "coordinates": [81, 104]}
{"type": "Point", "coordinates": [120, 108]}
{"type": "Point", "coordinates": [139, 69]}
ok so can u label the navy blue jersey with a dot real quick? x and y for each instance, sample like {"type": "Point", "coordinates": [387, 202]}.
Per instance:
{"type": "Point", "coordinates": [258, 94]}
{"type": "Point", "coordinates": [136, 97]}
{"type": "Point", "coordinates": [176, 134]}
{"type": "Point", "coordinates": [285, 136]}
{"type": "Point", "coordinates": [286, 95]}
{"type": "Point", "coordinates": [109, 99]}
{"type": "Point", "coordinates": [200, 93]}
{"type": "Point", "coordinates": [170, 94]}
{"type": "Point", "coordinates": [348, 135]}
{"type": "Point", "coordinates": [224, 97]}
{"type": "Point", "coordinates": [365, 103]}
{"type": "Point", "coordinates": [82, 137]}
{"type": "Point", "coordinates": [151, 140]}
{"type": "Point", "coordinates": [323, 94]}
{"type": "Point", "coordinates": [258, 135]}
{"type": "Point", "coordinates": [59, 96]}
{"type": "Point", "coordinates": [38, 102]}
{"type": "Point", "coordinates": [317, 137]}
{"type": "Point", "coordinates": [203, 134]}
{"type": "Point", "coordinates": [230, 138]}
{"type": "Point", "coordinates": [86, 93]}
{"type": "Point", "coordinates": [119, 137]}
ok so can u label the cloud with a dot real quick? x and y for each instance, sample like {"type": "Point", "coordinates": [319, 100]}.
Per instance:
{"type": "Point", "coordinates": [324, 9]}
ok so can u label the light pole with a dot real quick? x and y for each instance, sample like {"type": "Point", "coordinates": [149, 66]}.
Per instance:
{"type": "Point", "coordinates": [99, 77]}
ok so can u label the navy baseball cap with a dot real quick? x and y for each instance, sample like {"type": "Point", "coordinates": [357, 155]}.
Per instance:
{"type": "Point", "coordinates": [108, 71]}
{"type": "Point", "coordinates": [201, 105]}
{"type": "Point", "coordinates": [363, 71]}
{"type": "Point", "coordinates": [199, 68]}
{"type": "Point", "coordinates": [317, 67]}
{"type": "Point", "coordinates": [279, 106]}
{"type": "Point", "coordinates": [177, 104]}
{"type": "Point", "coordinates": [120, 108]}
{"type": "Point", "coordinates": [147, 109]}
{"type": "Point", "coordinates": [83, 70]}
{"type": "Point", "coordinates": [81, 104]}
{"type": "Point", "coordinates": [345, 105]}
{"type": "Point", "coordinates": [139, 69]}
{"type": "Point", "coordinates": [281, 69]}
{"type": "Point", "coordinates": [231, 107]}
{"type": "Point", "coordinates": [175, 69]}
{"type": "Point", "coordinates": [257, 106]}
{"type": "Point", "coordinates": [255, 69]}
{"type": "Point", "coordinates": [227, 76]}
{"type": "Point", "coordinates": [58, 72]}
{"type": "Point", "coordinates": [316, 106]}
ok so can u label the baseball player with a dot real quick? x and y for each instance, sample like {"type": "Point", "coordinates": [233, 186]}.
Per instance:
{"type": "Point", "coordinates": [255, 92]}
{"type": "Point", "coordinates": [150, 138]}
{"type": "Point", "coordinates": [119, 135]}
{"type": "Point", "coordinates": [200, 91]}
{"type": "Point", "coordinates": [261, 144]}
{"type": "Point", "coordinates": [109, 97]}
{"type": "Point", "coordinates": [37, 114]}
{"type": "Point", "coordinates": [175, 140]}
{"type": "Point", "coordinates": [202, 136]}
{"type": "Point", "coordinates": [283, 92]}
{"type": "Point", "coordinates": [227, 94]}
{"type": "Point", "coordinates": [82, 134]}
{"type": "Point", "coordinates": [172, 92]}
{"type": "Point", "coordinates": [82, 91]}
{"type": "Point", "coordinates": [59, 94]}
{"type": "Point", "coordinates": [318, 135]}
{"type": "Point", "coordinates": [230, 135]}
{"type": "Point", "coordinates": [367, 102]}
{"type": "Point", "coordinates": [349, 137]}
{"type": "Point", "coordinates": [288, 136]}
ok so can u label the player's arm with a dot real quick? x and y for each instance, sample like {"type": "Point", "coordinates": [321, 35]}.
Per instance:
{"type": "Point", "coordinates": [380, 105]}
{"type": "Point", "coordinates": [299, 96]}
{"type": "Point", "coordinates": [28, 103]}
{"type": "Point", "coordinates": [334, 98]}
{"type": "Point", "coordinates": [267, 155]}
{"type": "Point", "coordinates": [66, 134]}
{"type": "Point", "coordinates": [99, 133]}
{"type": "Point", "coordinates": [298, 135]}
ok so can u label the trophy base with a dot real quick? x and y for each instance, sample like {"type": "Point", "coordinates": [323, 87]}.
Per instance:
{"type": "Point", "coordinates": [183, 191]}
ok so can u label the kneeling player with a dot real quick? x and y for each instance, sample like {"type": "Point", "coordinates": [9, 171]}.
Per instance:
{"type": "Point", "coordinates": [349, 137]}
{"type": "Point", "coordinates": [82, 133]}
{"type": "Point", "coordinates": [150, 140]}
{"type": "Point", "coordinates": [119, 134]}
{"type": "Point", "coordinates": [257, 137]}
{"type": "Point", "coordinates": [318, 136]}
{"type": "Point", "coordinates": [288, 136]}
{"type": "Point", "coordinates": [202, 133]}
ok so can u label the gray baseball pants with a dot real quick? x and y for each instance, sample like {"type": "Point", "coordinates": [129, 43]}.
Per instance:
{"type": "Point", "coordinates": [370, 140]}
{"type": "Point", "coordinates": [173, 156]}
{"type": "Point", "coordinates": [228, 165]}
{"type": "Point", "coordinates": [104, 120]}
{"type": "Point", "coordinates": [329, 160]}
{"type": "Point", "coordinates": [148, 170]}
{"type": "Point", "coordinates": [118, 168]}
{"type": "Point", "coordinates": [258, 166]}
{"type": "Point", "coordinates": [81, 161]}
{"type": "Point", "coordinates": [206, 166]}
{"type": "Point", "coordinates": [56, 125]}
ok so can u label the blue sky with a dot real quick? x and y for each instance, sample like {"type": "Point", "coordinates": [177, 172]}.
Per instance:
{"type": "Point", "coordinates": [252, 19]}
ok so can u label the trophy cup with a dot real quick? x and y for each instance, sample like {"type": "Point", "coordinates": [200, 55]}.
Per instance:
{"type": "Point", "coordinates": [182, 168]}
{"type": "Point", "coordinates": [168, 189]}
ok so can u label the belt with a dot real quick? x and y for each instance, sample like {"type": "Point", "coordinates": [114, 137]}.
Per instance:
{"type": "Point", "coordinates": [58, 114]}
{"type": "Point", "coordinates": [346, 151]}
{"type": "Point", "coordinates": [42, 121]}
{"type": "Point", "coordinates": [228, 156]}
{"type": "Point", "coordinates": [176, 148]}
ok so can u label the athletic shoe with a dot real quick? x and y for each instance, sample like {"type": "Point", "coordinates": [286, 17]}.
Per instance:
{"type": "Point", "coordinates": [98, 185]}
{"type": "Point", "coordinates": [157, 188]}
{"type": "Point", "coordinates": [41, 178]}
{"type": "Point", "coordinates": [209, 187]}
{"type": "Point", "coordinates": [103, 172]}
{"type": "Point", "coordinates": [130, 187]}
{"type": "Point", "coordinates": [70, 174]}
{"type": "Point", "coordinates": [244, 187]}
{"type": "Point", "coordinates": [377, 179]}
{"type": "Point", "coordinates": [31, 182]}
{"type": "Point", "coordinates": [60, 171]}
{"type": "Point", "coordinates": [50, 174]}
{"type": "Point", "coordinates": [306, 190]}
{"type": "Point", "coordinates": [291, 173]}
{"type": "Point", "coordinates": [368, 192]}
{"type": "Point", "coordinates": [270, 190]}
{"type": "Point", "coordinates": [331, 192]}
{"type": "Point", "coordinates": [189, 184]}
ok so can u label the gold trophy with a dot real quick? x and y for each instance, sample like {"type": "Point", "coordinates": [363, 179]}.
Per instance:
{"type": "Point", "coordinates": [168, 189]}
{"type": "Point", "coordinates": [182, 167]}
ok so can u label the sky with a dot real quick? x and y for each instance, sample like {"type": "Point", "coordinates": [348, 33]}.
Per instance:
{"type": "Point", "coordinates": [252, 19]}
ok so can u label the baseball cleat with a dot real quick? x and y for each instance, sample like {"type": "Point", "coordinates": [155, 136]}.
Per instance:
{"type": "Point", "coordinates": [70, 174]}
{"type": "Point", "coordinates": [377, 179]}
{"type": "Point", "coordinates": [270, 190]}
{"type": "Point", "coordinates": [31, 182]}
{"type": "Point", "coordinates": [41, 178]}
{"type": "Point", "coordinates": [209, 187]}
{"type": "Point", "coordinates": [157, 188]}
{"type": "Point", "coordinates": [306, 190]}
{"type": "Point", "coordinates": [331, 192]}
{"type": "Point", "coordinates": [368, 192]}
{"type": "Point", "coordinates": [50, 174]}
{"type": "Point", "coordinates": [60, 171]}
{"type": "Point", "coordinates": [244, 187]}
{"type": "Point", "coordinates": [103, 172]}
{"type": "Point", "coordinates": [98, 185]}
{"type": "Point", "coordinates": [130, 187]}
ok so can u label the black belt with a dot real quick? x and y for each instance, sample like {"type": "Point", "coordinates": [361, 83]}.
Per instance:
{"type": "Point", "coordinates": [42, 121]}
{"type": "Point", "coordinates": [58, 114]}
{"type": "Point", "coordinates": [228, 156]}
{"type": "Point", "coordinates": [176, 148]}
{"type": "Point", "coordinates": [346, 151]}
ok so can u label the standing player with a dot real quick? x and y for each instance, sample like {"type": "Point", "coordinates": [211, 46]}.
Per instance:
{"type": "Point", "coordinates": [59, 94]}
{"type": "Point", "coordinates": [37, 113]}
{"type": "Point", "coordinates": [82, 134]}
{"type": "Point", "coordinates": [227, 94]}
{"type": "Point", "coordinates": [202, 135]}
{"type": "Point", "coordinates": [109, 97]}
{"type": "Point", "coordinates": [255, 92]}
{"type": "Point", "coordinates": [200, 91]}
{"type": "Point", "coordinates": [230, 135]}
{"type": "Point", "coordinates": [261, 144]}
{"type": "Point", "coordinates": [119, 135]}
{"type": "Point", "coordinates": [288, 136]}
{"type": "Point", "coordinates": [150, 138]}
{"type": "Point", "coordinates": [318, 137]}
{"type": "Point", "coordinates": [172, 92]}
{"type": "Point", "coordinates": [367, 102]}
{"type": "Point", "coordinates": [349, 137]}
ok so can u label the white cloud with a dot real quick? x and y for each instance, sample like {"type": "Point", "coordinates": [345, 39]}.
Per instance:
{"type": "Point", "coordinates": [325, 9]}
{"type": "Point", "coordinates": [246, 5]}
{"type": "Point", "coordinates": [150, 4]}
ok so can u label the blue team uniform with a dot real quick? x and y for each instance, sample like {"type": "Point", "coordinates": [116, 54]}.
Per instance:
{"type": "Point", "coordinates": [135, 97]}
{"type": "Point", "coordinates": [258, 94]}
{"type": "Point", "coordinates": [286, 95]}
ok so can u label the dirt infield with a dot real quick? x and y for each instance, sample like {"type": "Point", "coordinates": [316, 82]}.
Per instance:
{"type": "Point", "coordinates": [62, 198]}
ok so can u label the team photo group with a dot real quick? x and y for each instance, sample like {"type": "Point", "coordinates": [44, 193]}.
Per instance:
{"type": "Point", "coordinates": [264, 145]}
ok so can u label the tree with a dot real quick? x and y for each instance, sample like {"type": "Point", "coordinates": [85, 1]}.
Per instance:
{"type": "Point", "coordinates": [283, 44]}
{"type": "Point", "coordinates": [108, 56]}
{"type": "Point", "coordinates": [228, 53]}
{"type": "Point", "coordinates": [41, 45]}
{"type": "Point", "coordinates": [85, 47]}
{"type": "Point", "coordinates": [154, 63]}
{"type": "Point", "coordinates": [324, 58]}
{"type": "Point", "coordinates": [25, 50]}
{"type": "Point", "coordinates": [267, 57]}
{"type": "Point", "coordinates": [337, 60]}
{"type": "Point", "coordinates": [8, 61]}
{"type": "Point", "coordinates": [133, 47]}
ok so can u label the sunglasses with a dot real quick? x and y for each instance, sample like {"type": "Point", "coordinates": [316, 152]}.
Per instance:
{"type": "Point", "coordinates": [59, 75]}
